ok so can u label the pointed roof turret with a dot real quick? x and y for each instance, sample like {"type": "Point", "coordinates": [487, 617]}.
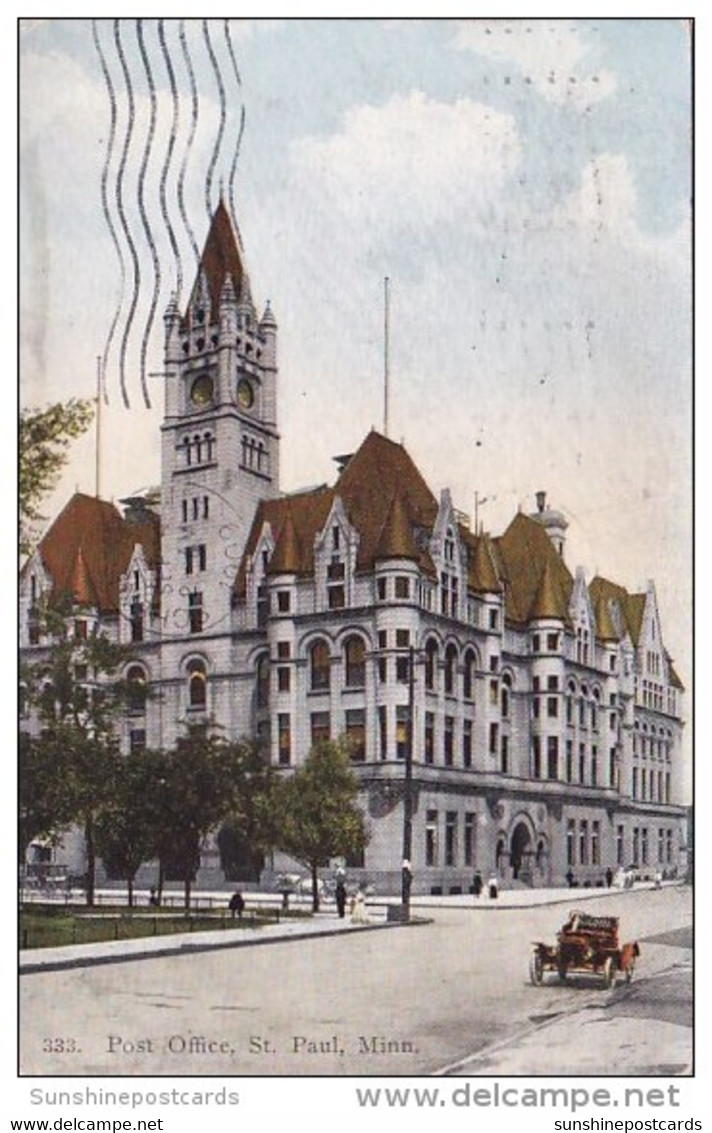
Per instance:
{"type": "Point", "coordinates": [221, 259]}
{"type": "Point", "coordinates": [82, 588]}
{"type": "Point", "coordinates": [550, 600]}
{"type": "Point", "coordinates": [482, 571]}
{"type": "Point", "coordinates": [287, 555]}
{"type": "Point", "coordinates": [395, 540]}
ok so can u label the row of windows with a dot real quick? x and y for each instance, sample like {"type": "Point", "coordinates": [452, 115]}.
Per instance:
{"type": "Point", "coordinates": [199, 449]}
{"type": "Point", "coordinates": [650, 785]}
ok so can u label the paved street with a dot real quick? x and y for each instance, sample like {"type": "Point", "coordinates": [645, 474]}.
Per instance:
{"type": "Point", "coordinates": [451, 996]}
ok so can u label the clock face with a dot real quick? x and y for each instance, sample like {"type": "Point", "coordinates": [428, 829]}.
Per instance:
{"type": "Point", "coordinates": [245, 394]}
{"type": "Point", "coordinates": [201, 391]}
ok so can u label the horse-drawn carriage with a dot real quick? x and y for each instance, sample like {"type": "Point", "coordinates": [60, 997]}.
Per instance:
{"type": "Point", "coordinates": [585, 944]}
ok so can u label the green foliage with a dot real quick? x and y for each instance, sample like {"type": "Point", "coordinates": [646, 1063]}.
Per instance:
{"type": "Point", "coordinates": [319, 818]}
{"type": "Point", "coordinates": [76, 690]}
{"type": "Point", "coordinates": [124, 833]}
{"type": "Point", "coordinates": [44, 439]}
{"type": "Point", "coordinates": [44, 802]}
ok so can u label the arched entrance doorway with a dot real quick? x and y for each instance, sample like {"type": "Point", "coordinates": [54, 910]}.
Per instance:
{"type": "Point", "coordinates": [520, 849]}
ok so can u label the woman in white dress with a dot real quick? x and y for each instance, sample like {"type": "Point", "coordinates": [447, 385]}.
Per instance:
{"type": "Point", "coordinates": [358, 911]}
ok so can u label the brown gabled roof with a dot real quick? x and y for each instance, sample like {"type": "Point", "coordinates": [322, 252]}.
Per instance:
{"type": "Point", "coordinates": [221, 259]}
{"type": "Point", "coordinates": [632, 606]}
{"type": "Point", "coordinates": [88, 548]}
{"type": "Point", "coordinates": [537, 578]}
{"type": "Point", "coordinates": [385, 498]}
{"type": "Point", "coordinates": [673, 675]}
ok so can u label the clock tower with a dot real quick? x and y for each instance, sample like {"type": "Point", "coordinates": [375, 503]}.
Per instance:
{"type": "Point", "coordinates": [220, 445]}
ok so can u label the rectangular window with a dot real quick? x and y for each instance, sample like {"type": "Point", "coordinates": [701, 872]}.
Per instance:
{"type": "Point", "coordinates": [284, 734]}
{"type": "Point", "coordinates": [402, 715]}
{"type": "Point", "coordinates": [635, 782]}
{"type": "Point", "coordinates": [195, 612]}
{"type": "Point", "coordinates": [202, 557]}
{"type": "Point", "coordinates": [450, 837]}
{"type": "Point", "coordinates": [493, 619]}
{"type": "Point", "coordinates": [493, 738]}
{"type": "Point", "coordinates": [402, 638]}
{"type": "Point", "coordinates": [582, 763]}
{"type": "Point", "coordinates": [320, 727]}
{"type": "Point", "coordinates": [137, 739]}
{"type": "Point", "coordinates": [469, 839]}
{"type": "Point", "coordinates": [536, 643]}
{"type": "Point", "coordinates": [594, 766]}
{"type": "Point", "coordinates": [402, 669]}
{"type": "Point", "coordinates": [504, 767]}
{"type": "Point", "coordinates": [284, 650]}
{"type": "Point", "coordinates": [356, 733]}
{"type": "Point", "coordinates": [284, 601]}
{"type": "Point", "coordinates": [595, 842]}
{"type": "Point", "coordinates": [284, 677]}
{"type": "Point", "coordinates": [583, 842]}
{"type": "Point", "coordinates": [552, 707]}
{"type": "Point", "coordinates": [81, 629]}
{"type": "Point", "coordinates": [620, 845]}
{"type": "Point", "coordinates": [644, 845]}
{"type": "Point", "coordinates": [402, 585]}
{"type": "Point", "coordinates": [467, 743]}
{"type": "Point", "coordinates": [188, 553]}
{"type": "Point", "coordinates": [136, 621]}
{"type": "Point", "coordinates": [429, 752]}
{"type": "Point", "coordinates": [383, 639]}
{"type": "Point", "coordinates": [552, 684]}
{"type": "Point", "coordinates": [536, 757]}
{"type": "Point", "coordinates": [431, 837]}
{"type": "Point", "coordinates": [382, 669]}
{"type": "Point", "coordinates": [337, 597]}
{"type": "Point", "coordinates": [569, 761]}
{"type": "Point", "coordinates": [449, 741]}
{"type": "Point", "coordinates": [381, 589]}
{"type": "Point", "coordinates": [383, 732]}
{"type": "Point", "coordinates": [571, 842]}
{"type": "Point", "coordinates": [552, 642]}
{"type": "Point", "coordinates": [552, 757]}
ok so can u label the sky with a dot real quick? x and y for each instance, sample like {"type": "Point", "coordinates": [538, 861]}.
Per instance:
{"type": "Point", "coordinates": [523, 184]}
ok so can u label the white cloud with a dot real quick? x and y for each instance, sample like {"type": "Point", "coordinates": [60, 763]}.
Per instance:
{"type": "Point", "coordinates": [413, 157]}
{"type": "Point", "coordinates": [549, 54]}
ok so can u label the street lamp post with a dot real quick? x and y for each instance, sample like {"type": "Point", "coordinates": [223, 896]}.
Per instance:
{"type": "Point", "coordinates": [406, 870]}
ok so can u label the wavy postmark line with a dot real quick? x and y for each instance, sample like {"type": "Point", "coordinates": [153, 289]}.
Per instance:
{"type": "Point", "coordinates": [221, 128]}
{"type": "Point", "coordinates": [106, 212]}
{"type": "Point", "coordinates": [142, 210]}
{"type": "Point", "coordinates": [189, 143]}
{"type": "Point", "coordinates": [122, 213]}
{"type": "Point", "coordinates": [241, 131]}
{"type": "Point", "coordinates": [175, 125]}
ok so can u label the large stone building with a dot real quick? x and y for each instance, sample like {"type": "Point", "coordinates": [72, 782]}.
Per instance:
{"type": "Point", "coordinates": [545, 710]}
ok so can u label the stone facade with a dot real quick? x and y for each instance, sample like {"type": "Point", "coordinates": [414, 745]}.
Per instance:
{"type": "Point", "coordinates": [542, 714]}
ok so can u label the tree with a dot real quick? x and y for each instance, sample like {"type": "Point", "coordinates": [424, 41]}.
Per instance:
{"type": "Point", "coordinates": [251, 829]}
{"type": "Point", "coordinates": [199, 788]}
{"type": "Point", "coordinates": [125, 833]}
{"type": "Point", "coordinates": [44, 438]}
{"type": "Point", "coordinates": [319, 817]}
{"type": "Point", "coordinates": [45, 809]}
{"type": "Point", "coordinates": [77, 692]}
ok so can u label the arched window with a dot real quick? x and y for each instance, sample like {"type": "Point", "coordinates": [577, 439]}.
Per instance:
{"type": "Point", "coordinates": [263, 681]}
{"type": "Point", "coordinates": [450, 669]}
{"type": "Point", "coordinates": [320, 666]}
{"type": "Point", "coordinates": [468, 676]}
{"type": "Point", "coordinates": [431, 661]}
{"type": "Point", "coordinates": [355, 660]}
{"type": "Point", "coordinates": [136, 689]}
{"type": "Point", "coordinates": [197, 685]}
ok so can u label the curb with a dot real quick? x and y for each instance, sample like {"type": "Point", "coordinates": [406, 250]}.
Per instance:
{"type": "Point", "coordinates": [186, 947]}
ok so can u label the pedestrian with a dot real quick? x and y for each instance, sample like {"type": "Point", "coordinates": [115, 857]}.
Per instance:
{"type": "Point", "coordinates": [237, 905]}
{"type": "Point", "coordinates": [477, 884]}
{"type": "Point", "coordinates": [493, 888]}
{"type": "Point", "coordinates": [358, 909]}
{"type": "Point", "coordinates": [658, 879]}
{"type": "Point", "coordinates": [570, 879]}
{"type": "Point", "coordinates": [609, 877]}
{"type": "Point", "coordinates": [340, 896]}
{"type": "Point", "coordinates": [153, 896]}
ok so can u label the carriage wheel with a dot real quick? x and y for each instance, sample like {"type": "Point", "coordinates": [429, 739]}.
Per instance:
{"type": "Point", "coordinates": [609, 972]}
{"type": "Point", "coordinates": [536, 969]}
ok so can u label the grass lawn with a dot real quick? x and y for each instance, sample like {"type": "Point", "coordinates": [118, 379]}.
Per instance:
{"type": "Point", "coordinates": [52, 926]}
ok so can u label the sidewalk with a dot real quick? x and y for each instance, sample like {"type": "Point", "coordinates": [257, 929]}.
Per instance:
{"type": "Point", "coordinates": [322, 924]}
